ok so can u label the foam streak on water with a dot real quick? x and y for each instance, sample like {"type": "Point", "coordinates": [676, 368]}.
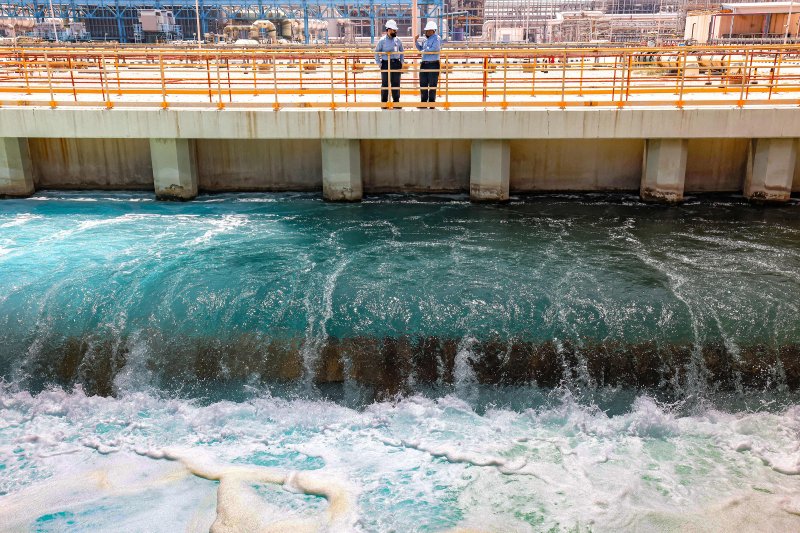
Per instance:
{"type": "Point", "coordinates": [82, 463]}
{"type": "Point", "coordinates": [277, 363]}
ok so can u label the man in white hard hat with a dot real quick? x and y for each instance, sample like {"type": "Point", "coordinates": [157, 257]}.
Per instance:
{"type": "Point", "coordinates": [429, 66]}
{"type": "Point", "coordinates": [389, 56]}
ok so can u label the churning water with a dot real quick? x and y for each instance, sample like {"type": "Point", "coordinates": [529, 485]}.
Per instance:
{"type": "Point", "coordinates": [276, 363]}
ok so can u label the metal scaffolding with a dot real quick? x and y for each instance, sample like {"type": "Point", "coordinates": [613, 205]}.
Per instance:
{"type": "Point", "coordinates": [557, 21]}
{"type": "Point", "coordinates": [533, 21]}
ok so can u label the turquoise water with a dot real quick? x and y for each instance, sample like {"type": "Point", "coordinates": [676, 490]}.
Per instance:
{"type": "Point", "coordinates": [406, 364]}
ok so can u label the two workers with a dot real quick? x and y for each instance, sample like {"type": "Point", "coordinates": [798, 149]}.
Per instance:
{"type": "Point", "coordinates": [389, 56]}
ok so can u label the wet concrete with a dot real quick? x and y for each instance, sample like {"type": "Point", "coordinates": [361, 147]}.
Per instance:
{"type": "Point", "coordinates": [397, 365]}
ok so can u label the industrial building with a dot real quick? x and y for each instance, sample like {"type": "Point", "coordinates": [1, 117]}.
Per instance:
{"type": "Point", "coordinates": [744, 23]}
{"type": "Point", "coordinates": [613, 21]}
{"type": "Point", "coordinates": [361, 21]}
{"type": "Point", "coordinates": [122, 20]}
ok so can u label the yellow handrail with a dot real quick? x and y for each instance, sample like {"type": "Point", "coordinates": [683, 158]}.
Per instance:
{"type": "Point", "coordinates": [320, 77]}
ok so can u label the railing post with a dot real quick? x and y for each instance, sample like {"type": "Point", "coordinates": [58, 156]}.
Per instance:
{"type": "Point", "coordinates": [628, 82]}
{"type": "Point", "coordinates": [275, 105]}
{"type": "Point", "coordinates": [447, 82]}
{"type": "Point", "coordinates": [355, 83]}
{"type": "Point", "coordinates": [300, 70]}
{"type": "Point", "coordinates": [533, 77]}
{"type": "Point", "coordinates": [72, 77]}
{"type": "Point", "coordinates": [164, 104]}
{"type": "Point", "coordinates": [116, 68]}
{"type": "Point", "coordinates": [208, 78]}
{"type": "Point", "coordinates": [50, 81]}
{"type": "Point", "coordinates": [255, 75]}
{"type": "Point", "coordinates": [25, 73]}
{"type": "Point", "coordinates": [727, 75]}
{"type": "Point", "coordinates": [740, 103]}
{"type": "Point", "coordinates": [622, 78]}
{"type": "Point", "coordinates": [776, 65]}
{"type": "Point", "coordinates": [228, 73]}
{"type": "Point", "coordinates": [220, 103]}
{"type": "Point", "coordinates": [614, 81]}
{"type": "Point", "coordinates": [683, 80]}
{"type": "Point", "coordinates": [485, 77]}
{"type": "Point", "coordinates": [347, 80]}
{"type": "Point", "coordinates": [333, 91]}
{"type": "Point", "coordinates": [564, 82]}
{"type": "Point", "coordinates": [749, 66]}
{"type": "Point", "coordinates": [104, 76]}
{"type": "Point", "coordinates": [580, 79]}
{"type": "Point", "coordinates": [101, 73]}
{"type": "Point", "coordinates": [504, 104]}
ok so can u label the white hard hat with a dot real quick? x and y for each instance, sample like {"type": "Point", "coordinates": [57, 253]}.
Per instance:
{"type": "Point", "coordinates": [391, 25]}
{"type": "Point", "coordinates": [431, 25]}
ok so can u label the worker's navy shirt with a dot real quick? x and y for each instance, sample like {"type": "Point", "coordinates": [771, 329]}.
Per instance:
{"type": "Point", "coordinates": [430, 47]}
{"type": "Point", "coordinates": [392, 45]}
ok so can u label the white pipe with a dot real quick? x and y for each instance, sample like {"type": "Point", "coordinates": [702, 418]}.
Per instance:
{"type": "Point", "coordinates": [53, 14]}
{"type": "Point", "coordinates": [197, 15]}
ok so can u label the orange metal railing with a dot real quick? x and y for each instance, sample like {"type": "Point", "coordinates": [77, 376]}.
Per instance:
{"type": "Point", "coordinates": [339, 78]}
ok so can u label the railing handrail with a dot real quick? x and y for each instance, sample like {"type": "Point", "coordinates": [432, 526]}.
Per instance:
{"type": "Point", "coordinates": [344, 77]}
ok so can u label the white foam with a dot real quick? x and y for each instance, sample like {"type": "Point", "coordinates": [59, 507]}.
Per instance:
{"type": "Point", "coordinates": [238, 506]}
{"type": "Point", "coordinates": [88, 225]}
{"type": "Point", "coordinates": [220, 226]}
{"type": "Point", "coordinates": [20, 220]}
{"type": "Point", "coordinates": [394, 466]}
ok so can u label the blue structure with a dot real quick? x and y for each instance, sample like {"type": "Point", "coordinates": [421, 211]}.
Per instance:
{"type": "Point", "coordinates": [116, 19]}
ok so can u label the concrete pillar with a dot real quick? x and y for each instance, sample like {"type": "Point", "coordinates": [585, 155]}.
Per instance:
{"type": "Point", "coordinates": [490, 166]}
{"type": "Point", "coordinates": [16, 174]}
{"type": "Point", "coordinates": [174, 168]}
{"type": "Point", "coordinates": [664, 170]}
{"type": "Point", "coordinates": [341, 170]}
{"type": "Point", "coordinates": [770, 170]}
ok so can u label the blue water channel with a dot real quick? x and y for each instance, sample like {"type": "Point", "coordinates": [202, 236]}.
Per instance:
{"type": "Point", "coordinates": [560, 362]}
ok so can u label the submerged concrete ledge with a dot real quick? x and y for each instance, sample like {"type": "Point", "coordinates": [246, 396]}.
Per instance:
{"type": "Point", "coordinates": [392, 365]}
{"type": "Point", "coordinates": [662, 152]}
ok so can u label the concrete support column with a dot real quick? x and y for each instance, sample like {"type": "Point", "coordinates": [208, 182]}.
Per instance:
{"type": "Point", "coordinates": [490, 166]}
{"type": "Point", "coordinates": [664, 170]}
{"type": "Point", "coordinates": [770, 169]}
{"type": "Point", "coordinates": [174, 168]}
{"type": "Point", "coordinates": [16, 174]}
{"type": "Point", "coordinates": [341, 170]}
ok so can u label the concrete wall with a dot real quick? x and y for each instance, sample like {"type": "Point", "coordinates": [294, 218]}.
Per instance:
{"type": "Point", "coordinates": [572, 123]}
{"type": "Point", "coordinates": [415, 166]}
{"type": "Point", "coordinates": [591, 149]}
{"type": "Point", "coordinates": [576, 165]}
{"type": "Point", "coordinates": [796, 181]}
{"type": "Point", "coordinates": [259, 165]}
{"type": "Point", "coordinates": [91, 163]}
{"type": "Point", "coordinates": [716, 165]}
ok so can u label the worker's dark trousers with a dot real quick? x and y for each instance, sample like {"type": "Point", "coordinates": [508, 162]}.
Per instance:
{"type": "Point", "coordinates": [395, 75]}
{"type": "Point", "coordinates": [428, 80]}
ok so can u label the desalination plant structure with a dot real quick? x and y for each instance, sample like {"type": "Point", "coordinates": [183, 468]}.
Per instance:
{"type": "Point", "coordinates": [347, 22]}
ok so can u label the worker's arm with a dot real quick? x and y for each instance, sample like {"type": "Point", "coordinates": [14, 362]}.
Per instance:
{"type": "Point", "coordinates": [400, 49]}
{"type": "Point", "coordinates": [377, 54]}
{"type": "Point", "coordinates": [416, 43]}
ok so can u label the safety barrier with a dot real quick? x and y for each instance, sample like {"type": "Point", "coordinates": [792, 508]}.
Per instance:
{"type": "Point", "coordinates": [339, 78]}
